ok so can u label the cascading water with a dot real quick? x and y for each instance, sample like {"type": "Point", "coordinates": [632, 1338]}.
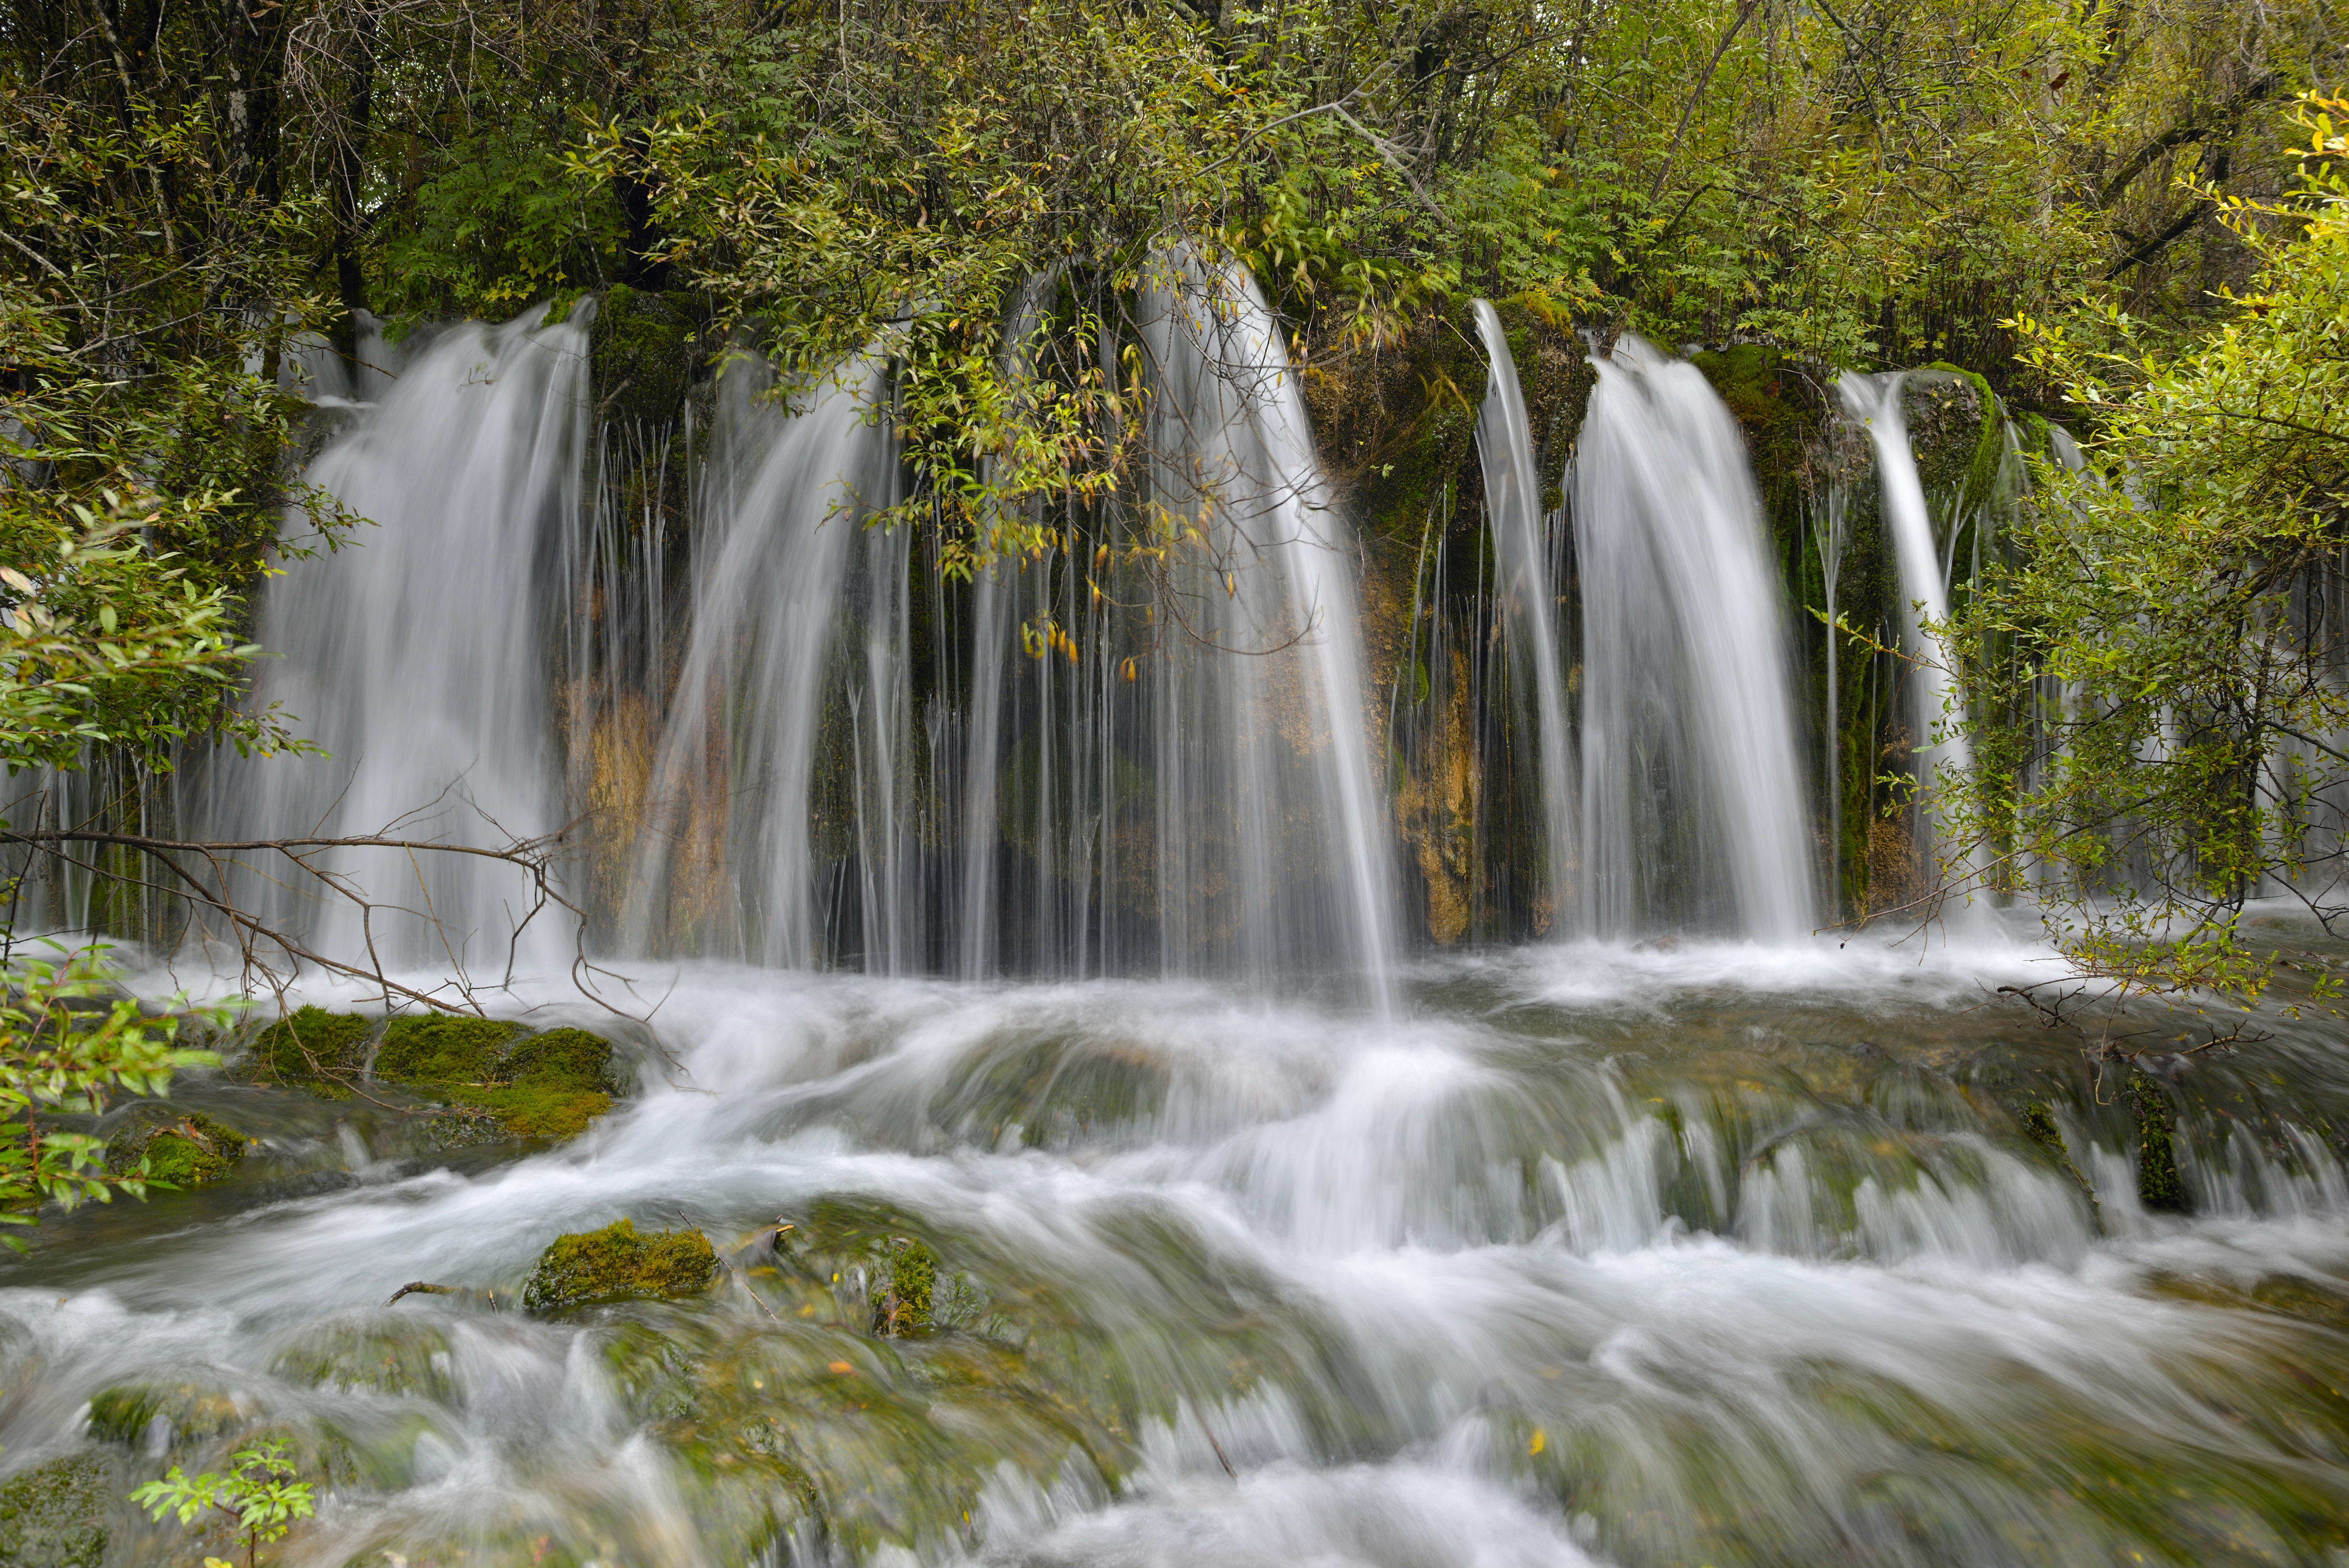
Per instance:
{"type": "Point", "coordinates": [1693, 800]}
{"type": "Point", "coordinates": [738, 853]}
{"type": "Point", "coordinates": [1271, 851]}
{"type": "Point", "coordinates": [1592, 1257]}
{"type": "Point", "coordinates": [1529, 574]}
{"type": "Point", "coordinates": [414, 656]}
{"type": "Point", "coordinates": [1877, 402]}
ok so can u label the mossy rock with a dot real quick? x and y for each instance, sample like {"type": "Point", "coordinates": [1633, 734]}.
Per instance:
{"type": "Point", "coordinates": [123, 1413]}
{"type": "Point", "coordinates": [54, 1516]}
{"type": "Point", "coordinates": [543, 1085]}
{"type": "Point", "coordinates": [436, 1052]}
{"type": "Point", "coordinates": [189, 1150]}
{"type": "Point", "coordinates": [316, 1049]}
{"type": "Point", "coordinates": [2158, 1185]}
{"type": "Point", "coordinates": [619, 1263]}
{"type": "Point", "coordinates": [641, 356]}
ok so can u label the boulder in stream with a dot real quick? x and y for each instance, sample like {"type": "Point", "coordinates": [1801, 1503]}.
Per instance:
{"type": "Point", "coordinates": [619, 1262]}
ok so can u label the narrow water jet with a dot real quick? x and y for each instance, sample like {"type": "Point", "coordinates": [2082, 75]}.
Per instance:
{"type": "Point", "coordinates": [1876, 401]}
{"type": "Point", "coordinates": [1512, 511]}
{"type": "Point", "coordinates": [1692, 803]}
{"type": "Point", "coordinates": [414, 654]}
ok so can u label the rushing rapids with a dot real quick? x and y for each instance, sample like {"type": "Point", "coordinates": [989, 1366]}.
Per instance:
{"type": "Point", "coordinates": [1008, 927]}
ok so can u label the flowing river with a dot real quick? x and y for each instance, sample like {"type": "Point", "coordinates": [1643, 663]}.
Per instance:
{"type": "Point", "coordinates": [1677, 1254]}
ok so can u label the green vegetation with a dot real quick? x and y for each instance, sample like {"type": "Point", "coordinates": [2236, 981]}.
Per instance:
{"type": "Point", "coordinates": [260, 1493]}
{"type": "Point", "coordinates": [69, 1042]}
{"type": "Point", "coordinates": [2150, 666]}
{"type": "Point", "coordinates": [619, 1263]}
{"type": "Point", "coordinates": [544, 1086]}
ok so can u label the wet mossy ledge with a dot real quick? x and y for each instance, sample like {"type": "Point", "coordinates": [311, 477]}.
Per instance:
{"type": "Point", "coordinates": [498, 1075]}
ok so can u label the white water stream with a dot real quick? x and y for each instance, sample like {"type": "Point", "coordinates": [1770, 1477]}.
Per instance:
{"type": "Point", "coordinates": [1553, 1272]}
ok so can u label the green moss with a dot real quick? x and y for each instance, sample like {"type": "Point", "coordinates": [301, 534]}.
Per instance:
{"type": "Point", "coordinates": [904, 1307]}
{"type": "Point", "coordinates": [640, 355]}
{"type": "Point", "coordinates": [538, 1112]}
{"type": "Point", "coordinates": [563, 1058]}
{"type": "Point", "coordinates": [2037, 1120]}
{"type": "Point", "coordinates": [546, 1086]}
{"type": "Point", "coordinates": [435, 1051]}
{"type": "Point", "coordinates": [54, 1516]}
{"type": "Point", "coordinates": [2158, 1185]}
{"type": "Point", "coordinates": [194, 1150]}
{"type": "Point", "coordinates": [1779, 414]}
{"type": "Point", "coordinates": [316, 1049]}
{"type": "Point", "coordinates": [619, 1263]}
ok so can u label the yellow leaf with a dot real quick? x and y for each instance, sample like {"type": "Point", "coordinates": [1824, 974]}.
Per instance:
{"type": "Point", "coordinates": [1540, 1441]}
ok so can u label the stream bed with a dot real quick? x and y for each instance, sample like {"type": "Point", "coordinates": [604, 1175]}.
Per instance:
{"type": "Point", "coordinates": [1677, 1255]}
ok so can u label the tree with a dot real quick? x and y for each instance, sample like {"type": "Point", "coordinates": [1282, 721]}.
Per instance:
{"type": "Point", "coordinates": [2155, 674]}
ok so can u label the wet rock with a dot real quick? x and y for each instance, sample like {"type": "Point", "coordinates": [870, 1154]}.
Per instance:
{"type": "Point", "coordinates": [407, 1359]}
{"type": "Point", "coordinates": [2158, 1185]}
{"type": "Point", "coordinates": [619, 1263]}
{"type": "Point", "coordinates": [188, 1149]}
{"type": "Point", "coordinates": [128, 1414]}
{"type": "Point", "coordinates": [499, 1080]}
{"type": "Point", "coordinates": [54, 1515]}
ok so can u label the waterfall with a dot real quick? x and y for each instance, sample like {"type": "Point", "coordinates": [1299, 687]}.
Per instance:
{"type": "Point", "coordinates": [1271, 832]}
{"type": "Point", "coordinates": [1527, 590]}
{"type": "Point", "coordinates": [734, 846]}
{"type": "Point", "coordinates": [1693, 802]}
{"type": "Point", "coordinates": [414, 656]}
{"type": "Point", "coordinates": [1876, 401]}
{"type": "Point", "coordinates": [994, 597]}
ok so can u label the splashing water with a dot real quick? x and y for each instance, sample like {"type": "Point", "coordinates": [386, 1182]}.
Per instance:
{"type": "Point", "coordinates": [1608, 1256]}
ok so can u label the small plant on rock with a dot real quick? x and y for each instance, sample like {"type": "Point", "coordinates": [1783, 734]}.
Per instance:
{"type": "Point", "coordinates": [260, 1493]}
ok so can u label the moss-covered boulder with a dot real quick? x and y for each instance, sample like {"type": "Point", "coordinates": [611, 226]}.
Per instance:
{"type": "Point", "coordinates": [619, 1262]}
{"type": "Point", "coordinates": [534, 1085]}
{"type": "Point", "coordinates": [190, 1149]}
{"type": "Point", "coordinates": [189, 1412]}
{"type": "Point", "coordinates": [54, 1516]}
{"type": "Point", "coordinates": [316, 1049]}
